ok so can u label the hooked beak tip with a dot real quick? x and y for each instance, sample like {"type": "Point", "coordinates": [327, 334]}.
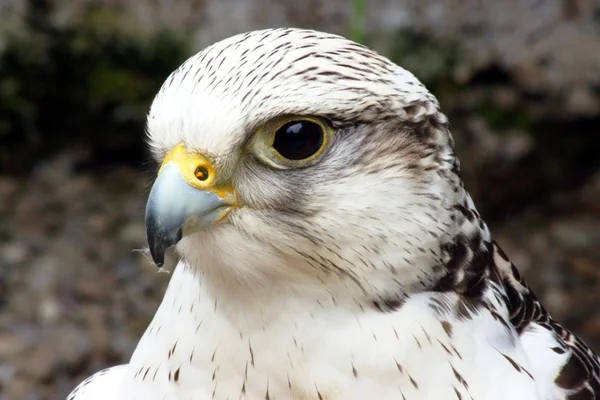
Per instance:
{"type": "Point", "coordinates": [174, 206]}
{"type": "Point", "coordinates": [159, 244]}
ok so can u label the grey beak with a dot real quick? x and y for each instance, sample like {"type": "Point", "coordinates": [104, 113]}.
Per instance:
{"type": "Point", "coordinates": [174, 206]}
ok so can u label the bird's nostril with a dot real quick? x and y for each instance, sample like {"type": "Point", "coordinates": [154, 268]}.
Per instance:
{"type": "Point", "coordinates": [201, 173]}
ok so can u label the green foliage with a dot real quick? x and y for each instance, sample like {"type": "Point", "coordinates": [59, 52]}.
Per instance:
{"type": "Point", "coordinates": [502, 119]}
{"type": "Point", "coordinates": [89, 83]}
{"type": "Point", "coordinates": [357, 24]}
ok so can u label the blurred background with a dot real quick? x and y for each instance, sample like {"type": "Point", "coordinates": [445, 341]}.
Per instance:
{"type": "Point", "coordinates": [519, 79]}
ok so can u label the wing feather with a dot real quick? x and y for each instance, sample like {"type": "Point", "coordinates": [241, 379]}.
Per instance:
{"type": "Point", "coordinates": [574, 368]}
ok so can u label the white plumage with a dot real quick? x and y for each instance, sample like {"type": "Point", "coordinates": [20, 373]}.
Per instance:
{"type": "Point", "coordinates": [364, 274]}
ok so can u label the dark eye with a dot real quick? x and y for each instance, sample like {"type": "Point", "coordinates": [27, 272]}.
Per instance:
{"type": "Point", "coordinates": [298, 140]}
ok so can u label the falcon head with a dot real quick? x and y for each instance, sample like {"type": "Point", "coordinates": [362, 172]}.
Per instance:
{"type": "Point", "coordinates": [292, 157]}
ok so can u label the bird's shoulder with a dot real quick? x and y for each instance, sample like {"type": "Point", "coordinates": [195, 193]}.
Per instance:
{"type": "Point", "coordinates": [556, 354]}
{"type": "Point", "coordinates": [103, 385]}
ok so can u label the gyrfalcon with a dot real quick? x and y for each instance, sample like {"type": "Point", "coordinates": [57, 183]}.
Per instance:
{"type": "Point", "coordinates": [328, 247]}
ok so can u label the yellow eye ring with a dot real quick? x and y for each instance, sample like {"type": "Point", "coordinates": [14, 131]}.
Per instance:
{"type": "Point", "coordinates": [292, 141]}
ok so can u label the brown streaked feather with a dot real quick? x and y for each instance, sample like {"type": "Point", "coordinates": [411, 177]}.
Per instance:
{"type": "Point", "coordinates": [581, 373]}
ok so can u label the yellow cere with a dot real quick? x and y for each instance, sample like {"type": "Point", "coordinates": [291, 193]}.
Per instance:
{"type": "Point", "coordinates": [198, 171]}
{"type": "Point", "coordinates": [188, 163]}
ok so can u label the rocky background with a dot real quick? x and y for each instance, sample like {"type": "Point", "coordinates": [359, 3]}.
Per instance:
{"type": "Point", "coordinates": [519, 79]}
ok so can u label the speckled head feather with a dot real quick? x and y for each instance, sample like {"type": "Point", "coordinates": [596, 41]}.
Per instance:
{"type": "Point", "coordinates": [236, 84]}
{"type": "Point", "coordinates": [364, 273]}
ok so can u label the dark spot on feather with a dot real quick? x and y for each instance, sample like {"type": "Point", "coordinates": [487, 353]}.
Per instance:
{"type": "Point", "coordinates": [400, 369]}
{"type": "Point", "coordinates": [445, 348]}
{"type": "Point", "coordinates": [516, 366]}
{"type": "Point", "coordinates": [417, 340]}
{"type": "Point", "coordinates": [426, 335]}
{"type": "Point", "coordinates": [413, 382]}
{"type": "Point", "coordinates": [172, 351]}
{"type": "Point", "coordinates": [459, 377]}
{"type": "Point", "coordinates": [319, 395]}
{"type": "Point", "coordinates": [251, 354]}
{"type": "Point", "coordinates": [512, 362]}
{"type": "Point", "coordinates": [447, 328]}
{"type": "Point", "coordinates": [389, 305]}
{"type": "Point", "coordinates": [500, 319]}
{"type": "Point", "coordinates": [457, 393]}
{"type": "Point", "coordinates": [573, 374]}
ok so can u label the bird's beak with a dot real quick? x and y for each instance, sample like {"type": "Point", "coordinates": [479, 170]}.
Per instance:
{"type": "Point", "coordinates": [184, 198]}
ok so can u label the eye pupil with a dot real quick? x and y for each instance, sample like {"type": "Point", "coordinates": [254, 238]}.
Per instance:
{"type": "Point", "coordinates": [298, 140]}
